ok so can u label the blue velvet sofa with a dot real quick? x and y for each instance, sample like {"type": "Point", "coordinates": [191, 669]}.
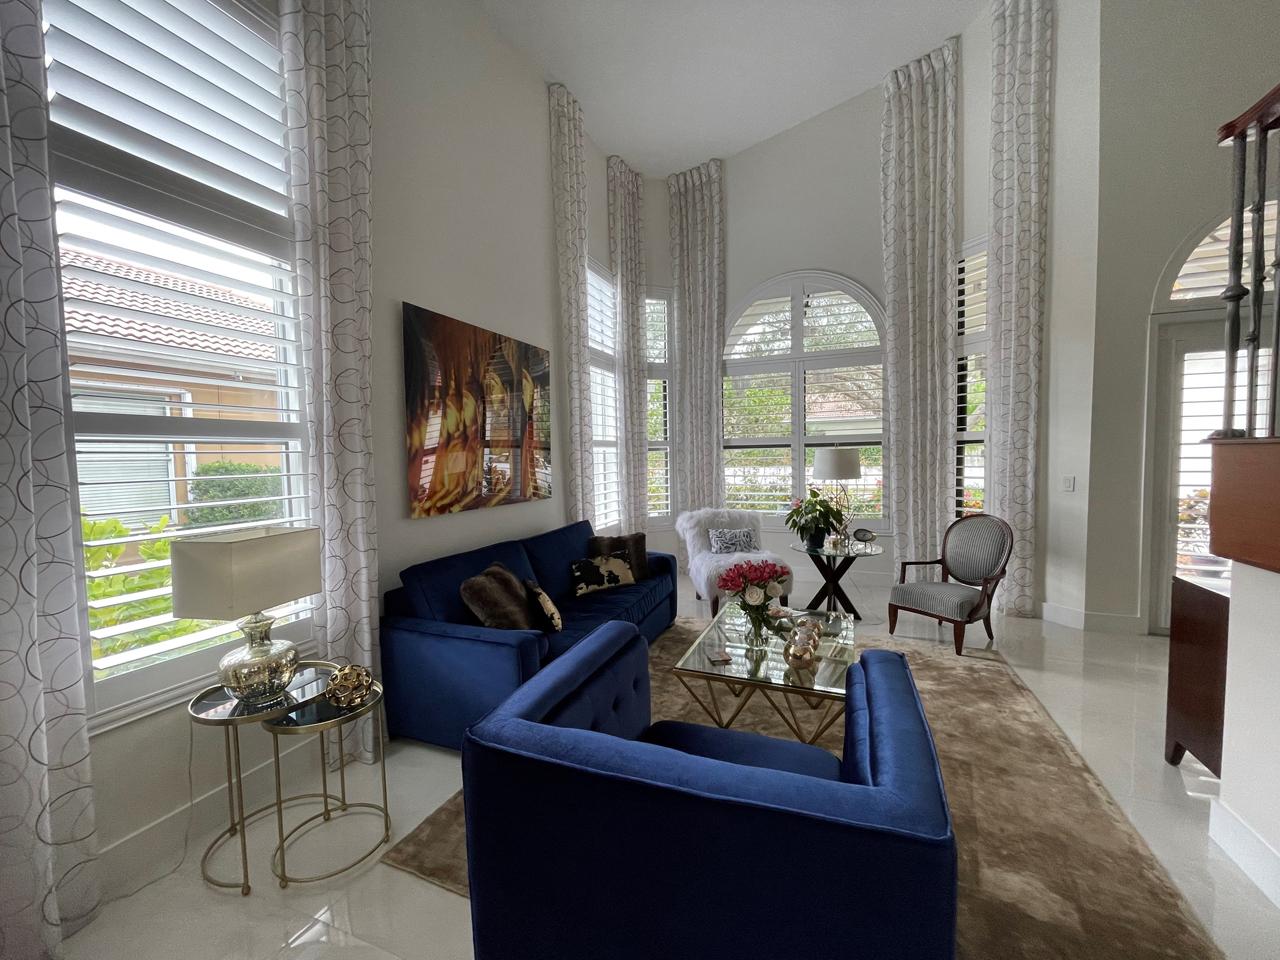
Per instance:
{"type": "Point", "coordinates": [593, 833]}
{"type": "Point", "coordinates": [442, 670]}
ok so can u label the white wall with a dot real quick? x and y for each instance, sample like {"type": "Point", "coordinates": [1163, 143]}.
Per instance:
{"type": "Point", "coordinates": [1171, 72]}
{"type": "Point", "coordinates": [1067, 369]}
{"type": "Point", "coordinates": [462, 224]}
{"type": "Point", "coordinates": [1246, 818]}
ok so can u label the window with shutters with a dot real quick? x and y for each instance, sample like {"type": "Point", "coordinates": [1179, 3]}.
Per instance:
{"type": "Point", "coordinates": [602, 336]}
{"type": "Point", "coordinates": [657, 308]}
{"type": "Point", "coordinates": [971, 382]}
{"type": "Point", "coordinates": [178, 291]}
{"type": "Point", "coordinates": [803, 369]}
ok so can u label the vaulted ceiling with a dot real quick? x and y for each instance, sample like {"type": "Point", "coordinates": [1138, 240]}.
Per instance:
{"type": "Point", "coordinates": [670, 83]}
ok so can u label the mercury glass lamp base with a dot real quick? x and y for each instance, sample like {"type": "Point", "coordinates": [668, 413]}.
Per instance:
{"type": "Point", "coordinates": [260, 671]}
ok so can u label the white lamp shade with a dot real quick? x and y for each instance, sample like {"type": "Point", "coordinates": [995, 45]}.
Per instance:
{"type": "Point", "coordinates": [227, 576]}
{"type": "Point", "coordinates": [836, 463]}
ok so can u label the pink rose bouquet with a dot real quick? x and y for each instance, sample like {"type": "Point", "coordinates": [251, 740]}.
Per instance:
{"type": "Point", "coordinates": [755, 584]}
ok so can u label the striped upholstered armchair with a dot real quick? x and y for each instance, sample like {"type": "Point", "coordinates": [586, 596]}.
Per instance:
{"type": "Point", "coordinates": [975, 553]}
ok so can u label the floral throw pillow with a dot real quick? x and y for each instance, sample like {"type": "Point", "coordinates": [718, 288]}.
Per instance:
{"type": "Point", "coordinates": [733, 541]}
{"type": "Point", "coordinates": [601, 573]}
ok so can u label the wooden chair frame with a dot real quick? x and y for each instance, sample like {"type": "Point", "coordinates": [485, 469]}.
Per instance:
{"type": "Point", "coordinates": [987, 585]}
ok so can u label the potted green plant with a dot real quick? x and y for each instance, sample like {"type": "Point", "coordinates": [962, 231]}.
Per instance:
{"type": "Point", "coordinates": [813, 518]}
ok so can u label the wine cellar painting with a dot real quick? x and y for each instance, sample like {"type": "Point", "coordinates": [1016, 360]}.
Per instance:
{"type": "Point", "coordinates": [478, 416]}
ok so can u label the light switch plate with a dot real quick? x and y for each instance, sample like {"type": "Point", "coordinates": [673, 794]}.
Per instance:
{"type": "Point", "coordinates": [1068, 484]}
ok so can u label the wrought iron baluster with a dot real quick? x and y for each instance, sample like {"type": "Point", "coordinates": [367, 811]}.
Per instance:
{"type": "Point", "coordinates": [1257, 269]}
{"type": "Point", "coordinates": [1235, 291]}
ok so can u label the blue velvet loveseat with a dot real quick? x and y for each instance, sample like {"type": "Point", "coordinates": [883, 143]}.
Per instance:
{"type": "Point", "coordinates": [593, 833]}
{"type": "Point", "coordinates": [443, 671]}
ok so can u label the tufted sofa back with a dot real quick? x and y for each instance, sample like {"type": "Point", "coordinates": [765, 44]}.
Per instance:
{"type": "Point", "coordinates": [601, 684]}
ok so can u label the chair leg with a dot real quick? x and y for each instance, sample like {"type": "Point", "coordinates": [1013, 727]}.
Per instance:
{"type": "Point", "coordinates": [893, 618]}
{"type": "Point", "coordinates": [986, 622]}
{"type": "Point", "coordinates": [959, 633]}
{"type": "Point", "coordinates": [715, 604]}
{"type": "Point", "coordinates": [785, 599]}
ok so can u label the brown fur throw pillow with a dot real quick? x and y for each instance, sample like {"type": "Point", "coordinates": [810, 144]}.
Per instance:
{"type": "Point", "coordinates": [632, 545]}
{"type": "Point", "coordinates": [498, 599]}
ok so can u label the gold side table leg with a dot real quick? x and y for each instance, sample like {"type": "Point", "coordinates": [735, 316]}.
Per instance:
{"type": "Point", "coordinates": [380, 725]}
{"type": "Point", "coordinates": [275, 756]}
{"type": "Point", "coordinates": [231, 792]}
{"type": "Point", "coordinates": [342, 766]}
{"type": "Point", "coordinates": [244, 851]}
{"type": "Point", "coordinates": [324, 772]}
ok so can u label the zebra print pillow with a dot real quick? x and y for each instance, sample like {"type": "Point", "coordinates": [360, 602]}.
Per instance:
{"type": "Point", "coordinates": [733, 541]}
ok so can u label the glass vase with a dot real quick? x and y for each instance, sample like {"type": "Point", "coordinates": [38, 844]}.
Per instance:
{"type": "Point", "coordinates": [757, 619]}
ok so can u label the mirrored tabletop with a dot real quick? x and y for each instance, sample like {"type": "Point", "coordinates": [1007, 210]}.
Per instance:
{"type": "Point", "coordinates": [216, 707]}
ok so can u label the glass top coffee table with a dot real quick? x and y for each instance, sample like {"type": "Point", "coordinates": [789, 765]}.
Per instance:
{"type": "Point", "coordinates": [807, 699]}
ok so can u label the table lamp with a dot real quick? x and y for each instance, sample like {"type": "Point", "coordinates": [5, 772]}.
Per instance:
{"type": "Point", "coordinates": [841, 464]}
{"type": "Point", "coordinates": [236, 576]}
{"type": "Point", "coordinates": [836, 463]}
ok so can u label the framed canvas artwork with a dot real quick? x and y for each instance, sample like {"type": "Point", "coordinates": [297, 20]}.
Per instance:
{"type": "Point", "coordinates": [477, 416]}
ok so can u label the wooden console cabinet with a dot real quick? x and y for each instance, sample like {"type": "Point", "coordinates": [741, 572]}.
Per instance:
{"type": "Point", "coordinates": [1197, 671]}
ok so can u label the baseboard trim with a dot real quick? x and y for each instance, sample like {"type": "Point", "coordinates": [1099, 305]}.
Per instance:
{"type": "Point", "coordinates": [1117, 623]}
{"type": "Point", "coordinates": [149, 852]}
{"type": "Point", "coordinates": [1239, 841]}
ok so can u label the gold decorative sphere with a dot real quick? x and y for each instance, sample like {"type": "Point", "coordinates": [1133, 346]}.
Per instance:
{"type": "Point", "coordinates": [349, 686]}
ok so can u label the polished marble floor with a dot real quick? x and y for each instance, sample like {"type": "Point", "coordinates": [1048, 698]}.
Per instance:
{"type": "Point", "coordinates": [1106, 692]}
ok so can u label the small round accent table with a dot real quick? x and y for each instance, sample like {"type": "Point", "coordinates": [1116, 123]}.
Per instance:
{"type": "Point", "coordinates": [214, 707]}
{"type": "Point", "coordinates": [833, 564]}
{"type": "Point", "coordinates": [318, 718]}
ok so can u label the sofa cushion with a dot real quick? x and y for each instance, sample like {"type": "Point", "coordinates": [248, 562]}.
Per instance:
{"type": "Point", "coordinates": [583, 614]}
{"type": "Point", "coordinates": [432, 588]}
{"type": "Point", "coordinates": [745, 748]}
{"type": "Point", "coordinates": [551, 554]}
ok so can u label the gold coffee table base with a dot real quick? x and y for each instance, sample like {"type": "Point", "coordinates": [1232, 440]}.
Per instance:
{"type": "Point", "coordinates": [828, 709]}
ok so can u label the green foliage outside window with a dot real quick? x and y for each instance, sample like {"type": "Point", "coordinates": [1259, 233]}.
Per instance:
{"type": "Point", "coordinates": [229, 480]}
{"type": "Point", "coordinates": [102, 560]}
{"type": "Point", "coordinates": [215, 481]}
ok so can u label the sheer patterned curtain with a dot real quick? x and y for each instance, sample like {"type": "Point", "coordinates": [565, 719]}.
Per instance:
{"type": "Point", "coordinates": [626, 261]}
{"type": "Point", "coordinates": [326, 50]}
{"type": "Point", "coordinates": [569, 198]}
{"type": "Point", "coordinates": [698, 263]}
{"type": "Point", "coordinates": [918, 214]}
{"type": "Point", "coordinates": [1022, 94]}
{"type": "Point", "coordinates": [48, 879]}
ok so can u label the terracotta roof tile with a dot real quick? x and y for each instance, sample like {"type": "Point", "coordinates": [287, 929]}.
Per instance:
{"type": "Point", "coordinates": [85, 321]}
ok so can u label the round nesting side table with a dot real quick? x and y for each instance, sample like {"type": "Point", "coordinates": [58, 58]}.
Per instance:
{"type": "Point", "coordinates": [317, 718]}
{"type": "Point", "coordinates": [214, 707]}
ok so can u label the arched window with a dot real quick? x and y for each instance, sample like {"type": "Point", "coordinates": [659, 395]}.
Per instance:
{"type": "Point", "coordinates": [1204, 272]}
{"type": "Point", "coordinates": [803, 369]}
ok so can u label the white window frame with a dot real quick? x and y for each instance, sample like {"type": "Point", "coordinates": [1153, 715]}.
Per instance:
{"type": "Point", "coordinates": [607, 362]}
{"type": "Point", "coordinates": [663, 371]}
{"type": "Point", "coordinates": [797, 362]}
{"type": "Point", "coordinates": [969, 344]}
{"type": "Point", "coordinates": [109, 173]}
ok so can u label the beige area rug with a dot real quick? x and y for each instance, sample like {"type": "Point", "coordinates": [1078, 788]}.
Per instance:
{"type": "Point", "coordinates": [1049, 865]}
